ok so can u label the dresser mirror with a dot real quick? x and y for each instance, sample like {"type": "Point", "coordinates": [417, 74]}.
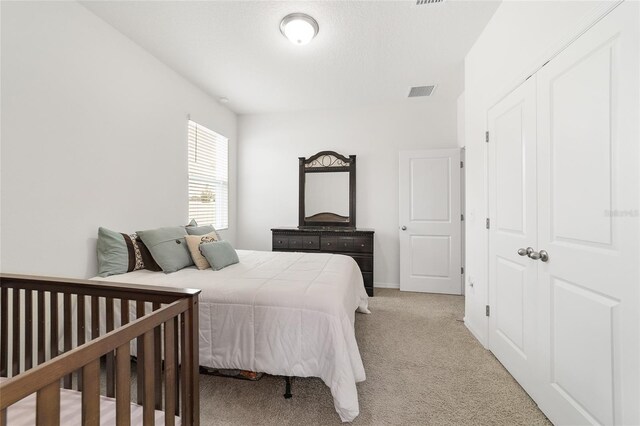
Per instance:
{"type": "Point", "coordinates": [327, 190]}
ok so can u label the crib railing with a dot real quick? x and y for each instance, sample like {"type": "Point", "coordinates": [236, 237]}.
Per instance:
{"type": "Point", "coordinates": [41, 316]}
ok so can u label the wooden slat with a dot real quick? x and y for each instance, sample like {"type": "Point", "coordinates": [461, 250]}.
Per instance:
{"type": "Point", "coordinates": [157, 361]}
{"type": "Point", "coordinates": [53, 324]}
{"type": "Point", "coordinates": [185, 369]}
{"type": "Point", "coordinates": [110, 358]}
{"type": "Point", "coordinates": [48, 405]}
{"type": "Point", "coordinates": [4, 331]}
{"type": "Point", "coordinates": [16, 337]}
{"type": "Point", "coordinates": [16, 388]}
{"type": "Point", "coordinates": [140, 356]}
{"type": "Point", "coordinates": [123, 385]}
{"type": "Point", "coordinates": [95, 317]}
{"type": "Point", "coordinates": [42, 324]}
{"type": "Point", "coordinates": [67, 334]}
{"type": "Point", "coordinates": [148, 409]}
{"type": "Point", "coordinates": [80, 332]}
{"type": "Point", "coordinates": [176, 349]}
{"type": "Point", "coordinates": [124, 312]}
{"type": "Point", "coordinates": [91, 393]}
{"type": "Point", "coordinates": [170, 342]}
{"type": "Point", "coordinates": [3, 417]}
{"type": "Point", "coordinates": [28, 329]}
{"type": "Point", "coordinates": [194, 342]}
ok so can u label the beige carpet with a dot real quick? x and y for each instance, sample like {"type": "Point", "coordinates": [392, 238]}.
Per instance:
{"type": "Point", "coordinates": [423, 368]}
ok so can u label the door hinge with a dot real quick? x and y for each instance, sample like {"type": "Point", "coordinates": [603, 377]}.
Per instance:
{"type": "Point", "coordinates": [487, 310]}
{"type": "Point", "coordinates": [462, 217]}
{"type": "Point", "coordinates": [462, 164]}
{"type": "Point", "coordinates": [486, 136]}
{"type": "Point", "coordinates": [488, 224]}
{"type": "Point", "coordinates": [462, 270]}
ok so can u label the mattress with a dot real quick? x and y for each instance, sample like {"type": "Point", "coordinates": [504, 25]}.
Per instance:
{"type": "Point", "coordinates": [289, 314]}
{"type": "Point", "coordinates": [23, 413]}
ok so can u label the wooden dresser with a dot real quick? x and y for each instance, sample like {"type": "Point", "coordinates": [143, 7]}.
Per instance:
{"type": "Point", "coordinates": [357, 243]}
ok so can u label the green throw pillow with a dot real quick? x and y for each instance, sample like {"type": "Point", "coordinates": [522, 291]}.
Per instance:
{"type": "Point", "coordinates": [193, 229]}
{"type": "Point", "coordinates": [168, 247]}
{"type": "Point", "coordinates": [219, 254]}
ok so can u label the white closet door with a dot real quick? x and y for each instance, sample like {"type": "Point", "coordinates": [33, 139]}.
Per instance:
{"type": "Point", "coordinates": [430, 248]}
{"type": "Point", "coordinates": [588, 223]}
{"type": "Point", "coordinates": [512, 211]}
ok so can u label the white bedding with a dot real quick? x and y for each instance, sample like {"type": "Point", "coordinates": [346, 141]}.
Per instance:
{"type": "Point", "coordinates": [23, 412]}
{"type": "Point", "coordinates": [289, 314]}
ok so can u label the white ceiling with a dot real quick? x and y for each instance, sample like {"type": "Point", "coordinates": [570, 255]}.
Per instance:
{"type": "Point", "coordinates": [367, 52]}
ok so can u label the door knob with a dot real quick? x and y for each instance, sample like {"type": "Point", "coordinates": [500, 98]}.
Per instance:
{"type": "Point", "coordinates": [404, 228]}
{"type": "Point", "coordinates": [544, 256]}
{"type": "Point", "coordinates": [541, 255]}
{"type": "Point", "coordinates": [525, 252]}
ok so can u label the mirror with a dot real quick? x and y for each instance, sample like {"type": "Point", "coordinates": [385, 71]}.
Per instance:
{"type": "Point", "coordinates": [327, 190]}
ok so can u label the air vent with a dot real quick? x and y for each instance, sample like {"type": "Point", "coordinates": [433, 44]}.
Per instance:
{"type": "Point", "coordinates": [418, 91]}
{"type": "Point", "coordinates": [425, 2]}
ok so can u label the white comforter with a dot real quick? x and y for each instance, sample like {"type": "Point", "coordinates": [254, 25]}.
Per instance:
{"type": "Point", "coordinates": [289, 314]}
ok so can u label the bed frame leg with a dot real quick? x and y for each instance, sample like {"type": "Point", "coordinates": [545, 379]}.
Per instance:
{"type": "Point", "coordinates": [287, 387]}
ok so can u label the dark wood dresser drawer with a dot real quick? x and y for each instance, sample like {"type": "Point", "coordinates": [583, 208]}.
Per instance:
{"type": "Point", "coordinates": [364, 262]}
{"type": "Point", "coordinates": [280, 242]}
{"type": "Point", "coordinates": [363, 244]}
{"type": "Point", "coordinates": [328, 243]}
{"type": "Point", "coordinates": [295, 242]}
{"type": "Point", "coordinates": [311, 242]}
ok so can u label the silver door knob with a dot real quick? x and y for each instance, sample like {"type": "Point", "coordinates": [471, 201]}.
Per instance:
{"type": "Point", "coordinates": [404, 228]}
{"type": "Point", "coordinates": [541, 255]}
{"type": "Point", "coordinates": [525, 252]}
{"type": "Point", "coordinates": [544, 256]}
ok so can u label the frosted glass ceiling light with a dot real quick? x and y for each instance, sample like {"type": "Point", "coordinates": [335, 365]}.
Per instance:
{"type": "Point", "coordinates": [299, 28]}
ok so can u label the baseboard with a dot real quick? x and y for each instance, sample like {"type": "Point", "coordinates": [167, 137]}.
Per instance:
{"type": "Point", "coordinates": [386, 285]}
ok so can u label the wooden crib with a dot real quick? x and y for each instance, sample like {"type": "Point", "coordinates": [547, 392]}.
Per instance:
{"type": "Point", "coordinates": [44, 356]}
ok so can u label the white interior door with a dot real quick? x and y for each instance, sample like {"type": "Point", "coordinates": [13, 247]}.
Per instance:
{"type": "Point", "coordinates": [588, 152]}
{"type": "Point", "coordinates": [513, 227]}
{"type": "Point", "coordinates": [430, 221]}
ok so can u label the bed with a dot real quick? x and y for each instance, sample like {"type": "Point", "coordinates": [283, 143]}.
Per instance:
{"type": "Point", "coordinates": [52, 374]}
{"type": "Point", "coordinates": [288, 314]}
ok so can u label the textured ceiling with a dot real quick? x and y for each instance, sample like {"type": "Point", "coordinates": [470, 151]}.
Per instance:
{"type": "Point", "coordinates": [367, 52]}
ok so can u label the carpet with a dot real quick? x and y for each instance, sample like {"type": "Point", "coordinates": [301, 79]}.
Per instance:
{"type": "Point", "coordinates": [423, 368]}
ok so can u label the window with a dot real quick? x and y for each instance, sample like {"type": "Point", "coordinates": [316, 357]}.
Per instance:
{"type": "Point", "coordinates": [208, 176]}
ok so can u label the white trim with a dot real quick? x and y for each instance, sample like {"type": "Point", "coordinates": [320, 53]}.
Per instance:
{"type": "Point", "coordinates": [386, 285]}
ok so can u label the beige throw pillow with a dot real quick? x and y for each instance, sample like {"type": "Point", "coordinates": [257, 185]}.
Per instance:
{"type": "Point", "coordinates": [193, 242]}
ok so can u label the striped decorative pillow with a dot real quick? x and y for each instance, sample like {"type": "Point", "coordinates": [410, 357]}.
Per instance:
{"type": "Point", "coordinates": [119, 253]}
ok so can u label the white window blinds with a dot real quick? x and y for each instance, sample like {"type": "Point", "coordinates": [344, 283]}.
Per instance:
{"type": "Point", "coordinates": [208, 176]}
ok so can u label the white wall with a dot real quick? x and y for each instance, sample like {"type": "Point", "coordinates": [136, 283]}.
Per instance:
{"type": "Point", "coordinates": [520, 37]}
{"type": "Point", "coordinates": [93, 134]}
{"type": "Point", "coordinates": [268, 166]}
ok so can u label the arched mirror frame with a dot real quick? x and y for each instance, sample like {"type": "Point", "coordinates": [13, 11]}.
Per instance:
{"type": "Point", "coordinates": [327, 162]}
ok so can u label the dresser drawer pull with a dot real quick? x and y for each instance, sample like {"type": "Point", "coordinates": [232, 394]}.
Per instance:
{"type": "Point", "coordinates": [310, 242]}
{"type": "Point", "coordinates": [279, 241]}
{"type": "Point", "coordinates": [328, 244]}
{"type": "Point", "coordinates": [362, 245]}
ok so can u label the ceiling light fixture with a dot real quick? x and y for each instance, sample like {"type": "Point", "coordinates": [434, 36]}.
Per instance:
{"type": "Point", "coordinates": [299, 28]}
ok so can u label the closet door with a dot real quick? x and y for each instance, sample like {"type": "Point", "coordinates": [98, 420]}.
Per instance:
{"type": "Point", "coordinates": [588, 223]}
{"type": "Point", "coordinates": [512, 211]}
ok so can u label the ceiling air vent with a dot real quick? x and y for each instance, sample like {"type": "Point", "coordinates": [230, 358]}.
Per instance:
{"type": "Point", "coordinates": [418, 91]}
{"type": "Point", "coordinates": [423, 2]}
